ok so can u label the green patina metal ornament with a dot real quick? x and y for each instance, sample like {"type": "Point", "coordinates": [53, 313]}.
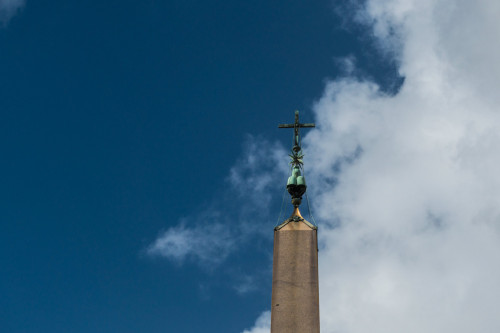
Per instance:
{"type": "Point", "coordinates": [296, 184]}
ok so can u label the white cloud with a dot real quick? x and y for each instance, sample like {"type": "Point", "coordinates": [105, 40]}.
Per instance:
{"type": "Point", "coordinates": [8, 8]}
{"type": "Point", "coordinates": [262, 324]}
{"type": "Point", "coordinates": [410, 232]}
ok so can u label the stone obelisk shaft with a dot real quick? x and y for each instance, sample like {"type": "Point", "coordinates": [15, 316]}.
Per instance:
{"type": "Point", "coordinates": [295, 295]}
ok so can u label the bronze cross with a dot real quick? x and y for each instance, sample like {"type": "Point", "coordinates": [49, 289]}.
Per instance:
{"type": "Point", "coordinates": [296, 126]}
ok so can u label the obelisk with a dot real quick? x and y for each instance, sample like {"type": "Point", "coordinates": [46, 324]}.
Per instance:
{"type": "Point", "coordinates": [295, 293]}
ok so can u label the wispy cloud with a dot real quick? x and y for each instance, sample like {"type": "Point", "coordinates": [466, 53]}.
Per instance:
{"type": "Point", "coordinates": [407, 186]}
{"type": "Point", "coordinates": [261, 168]}
{"type": "Point", "coordinates": [245, 284]}
{"type": "Point", "coordinates": [207, 244]}
{"type": "Point", "coordinates": [208, 239]}
{"type": "Point", "coordinates": [9, 8]}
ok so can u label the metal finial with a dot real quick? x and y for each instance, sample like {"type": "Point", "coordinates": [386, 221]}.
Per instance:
{"type": "Point", "coordinates": [296, 184]}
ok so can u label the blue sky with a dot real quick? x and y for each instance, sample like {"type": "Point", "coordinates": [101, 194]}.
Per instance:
{"type": "Point", "coordinates": [122, 118]}
{"type": "Point", "coordinates": [143, 171]}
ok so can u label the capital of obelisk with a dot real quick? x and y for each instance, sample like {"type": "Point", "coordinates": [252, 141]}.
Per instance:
{"type": "Point", "coordinates": [295, 293]}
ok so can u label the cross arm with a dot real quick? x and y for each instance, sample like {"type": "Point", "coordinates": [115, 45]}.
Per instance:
{"type": "Point", "coordinates": [293, 125]}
